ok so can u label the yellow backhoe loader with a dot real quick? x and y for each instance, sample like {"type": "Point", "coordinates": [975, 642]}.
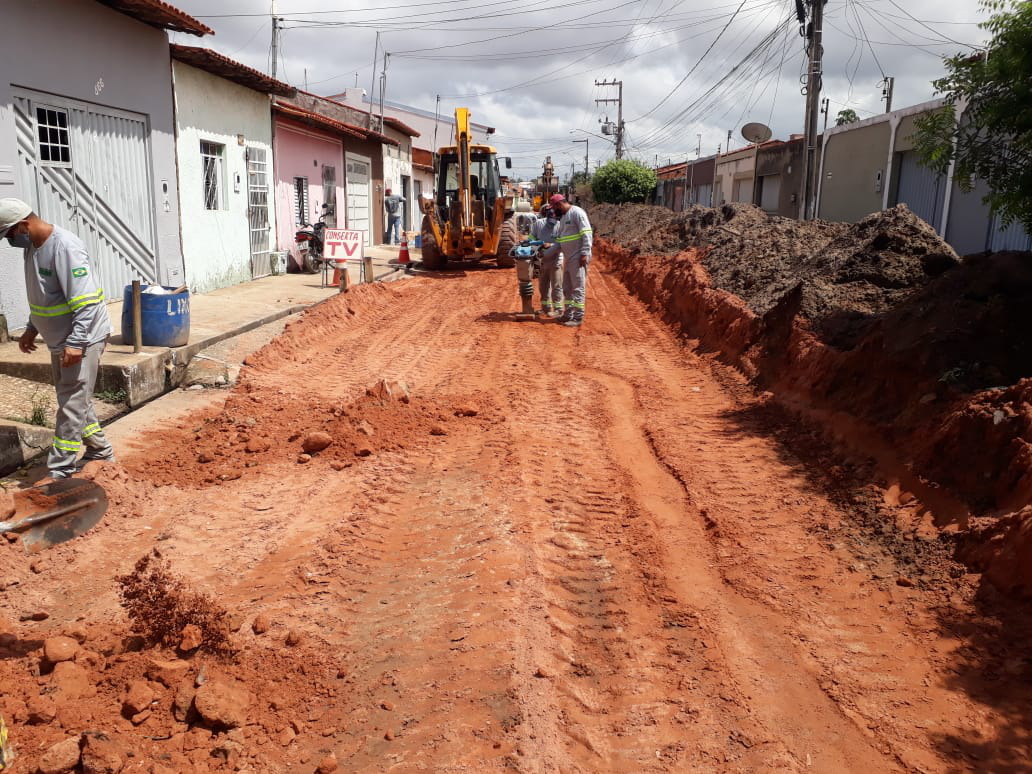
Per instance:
{"type": "Point", "coordinates": [469, 219]}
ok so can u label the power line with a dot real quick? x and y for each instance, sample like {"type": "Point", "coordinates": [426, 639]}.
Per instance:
{"type": "Point", "coordinates": [696, 65]}
{"type": "Point", "coordinates": [660, 134]}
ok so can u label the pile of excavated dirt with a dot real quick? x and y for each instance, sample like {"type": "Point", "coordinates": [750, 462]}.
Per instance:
{"type": "Point", "coordinates": [846, 274]}
{"type": "Point", "coordinates": [877, 324]}
{"type": "Point", "coordinates": [259, 427]}
{"type": "Point", "coordinates": [158, 710]}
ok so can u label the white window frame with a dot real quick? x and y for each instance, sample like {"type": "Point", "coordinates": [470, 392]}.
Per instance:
{"type": "Point", "coordinates": [213, 175]}
{"type": "Point", "coordinates": [63, 143]}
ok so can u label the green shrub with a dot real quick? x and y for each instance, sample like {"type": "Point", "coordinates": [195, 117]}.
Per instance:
{"type": "Point", "coordinates": [623, 181]}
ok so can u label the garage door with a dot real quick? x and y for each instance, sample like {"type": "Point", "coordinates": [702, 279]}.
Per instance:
{"type": "Point", "coordinates": [920, 188]}
{"type": "Point", "coordinates": [770, 191]}
{"type": "Point", "coordinates": [87, 168]}
{"type": "Point", "coordinates": [356, 181]}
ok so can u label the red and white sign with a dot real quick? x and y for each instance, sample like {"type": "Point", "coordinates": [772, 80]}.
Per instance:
{"type": "Point", "coordinates": [342, 245]}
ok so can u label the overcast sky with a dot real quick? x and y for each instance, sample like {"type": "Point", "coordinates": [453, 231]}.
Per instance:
{"type": "Point", "coordinates": [688, 67]}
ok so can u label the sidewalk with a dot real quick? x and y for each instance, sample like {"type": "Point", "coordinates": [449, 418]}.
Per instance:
{"type": "Point", "coordinates": [214, 317]}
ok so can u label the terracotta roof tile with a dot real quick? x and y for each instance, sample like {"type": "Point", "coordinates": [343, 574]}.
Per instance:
{"type": "Point", "coordinates": [160, 14]}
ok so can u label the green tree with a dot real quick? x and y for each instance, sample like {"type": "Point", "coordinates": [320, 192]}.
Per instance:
{"type": "Point", "coordinates": [623, 181]}
{"type": "Point", "coordinates": [847, 116]}
{"type": "Point", "coordinates": [579, 178]}
{"type": "Point", "coordinates": [993, 140]}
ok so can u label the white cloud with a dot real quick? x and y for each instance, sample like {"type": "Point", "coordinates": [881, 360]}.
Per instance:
{"type": "Point", "coordinates": [648, 44]}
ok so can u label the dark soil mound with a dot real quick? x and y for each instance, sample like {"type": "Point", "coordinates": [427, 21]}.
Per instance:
{"type": "Point", "coordinates": [847, 274]}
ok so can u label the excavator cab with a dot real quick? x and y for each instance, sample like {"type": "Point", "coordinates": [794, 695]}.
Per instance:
{"type": "Point", "coordinates": [469, 219]}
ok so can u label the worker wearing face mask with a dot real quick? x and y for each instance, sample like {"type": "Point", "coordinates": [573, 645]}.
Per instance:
{"type": "Point", "coordinates": [66, 305]}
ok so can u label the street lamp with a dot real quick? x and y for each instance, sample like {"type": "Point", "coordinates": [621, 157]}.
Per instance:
{"type": "Point", "coordinates": [585, 141]}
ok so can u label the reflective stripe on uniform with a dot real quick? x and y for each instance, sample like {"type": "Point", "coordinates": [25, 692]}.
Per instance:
{"type": "Point", "coordinates": [90, 429]}
{"type": "Point", "coordinates": [63, 445]}
{"type": "Point", "coordinates": [50, 311]}
{"type": "Point", "coordinates": [573, 237]}
{"type": "Point", "coordinates": [90, 298]}
{"type": "Point", "coordinates": [574, 304]}
{"type": "Point", "coordinates": [71, 306]}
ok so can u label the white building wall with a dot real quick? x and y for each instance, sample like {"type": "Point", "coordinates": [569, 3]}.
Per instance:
{"type": "Point", "coordinates": [99, 56]}
{"type": "Point", "coordinates": [216, 243]}
{"type": "Point", "coordinates": [397, 162]}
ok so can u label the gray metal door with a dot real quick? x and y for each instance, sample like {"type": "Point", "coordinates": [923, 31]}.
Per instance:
{"type": "Point", "coordinates": [704, 194]}
{"type": "Point", "coordinates": [87, 168]}
{"type": "Point", "coordinates": [770, 192]}
{"type": "Point", "coordinates": [258, 211]}
{"type": "Point", "coordinates": [741, 190]}
{"type": "Point", "coordinates": [921, 189]}
{"type": "Point", "coordinates": [1013, 237]}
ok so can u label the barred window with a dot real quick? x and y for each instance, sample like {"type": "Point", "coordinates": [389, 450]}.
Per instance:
{"type": "Point", "coordinates": [52, 129]}
{"type": "Point", "coordinates": [300, 200]}
{"type": "Point", "coordinates": [212, 168]}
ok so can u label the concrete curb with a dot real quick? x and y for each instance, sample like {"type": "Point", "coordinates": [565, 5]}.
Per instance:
{"type": "Point", "coordinates": [180, 357]}
{"type": "Point", "coordinates": [19, 443]}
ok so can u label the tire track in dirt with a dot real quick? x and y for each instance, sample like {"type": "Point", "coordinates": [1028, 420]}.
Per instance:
{"type": "Point", "coordinates": [605, 569]}
{"type": "Point", "coordinates": [764, 513]}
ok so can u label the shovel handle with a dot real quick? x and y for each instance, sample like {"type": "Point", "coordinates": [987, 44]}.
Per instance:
{"type": "Point", "coordinates": [30, 521]}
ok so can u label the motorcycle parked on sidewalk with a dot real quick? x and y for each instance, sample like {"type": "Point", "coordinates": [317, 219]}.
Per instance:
{"type": "Point", "coordinates": [309, 240]}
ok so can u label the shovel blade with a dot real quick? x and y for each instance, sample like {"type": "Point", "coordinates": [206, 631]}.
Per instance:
{"type": "Point", "coordinates": [66, 491]}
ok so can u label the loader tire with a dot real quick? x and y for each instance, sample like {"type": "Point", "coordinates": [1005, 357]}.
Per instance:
{"type": "Point", "coordinates": [510, 237]}
{"type": "Point", "coordinates": [433, 258]}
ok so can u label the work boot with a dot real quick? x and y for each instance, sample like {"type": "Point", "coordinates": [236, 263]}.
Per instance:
{"type": "Point", "coordinates": [573, 323]}
{"type": "Point", "coordinates": [87, 459]}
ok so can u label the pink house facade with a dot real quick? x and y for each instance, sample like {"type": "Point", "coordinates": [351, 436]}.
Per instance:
{"type": "Point", "coordinates": [309, 168]}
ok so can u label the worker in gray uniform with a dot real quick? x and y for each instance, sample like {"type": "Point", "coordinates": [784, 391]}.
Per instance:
{"type": "Point", "coordinates": [66, 305]}
{"type": "Point", "coordinates": [573, 235]}
{"type": "Point", "coordinates": [550, 281]}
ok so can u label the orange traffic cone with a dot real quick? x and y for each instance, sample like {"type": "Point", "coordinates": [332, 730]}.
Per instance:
{"type": "Point", "coordinates": [403, 256]}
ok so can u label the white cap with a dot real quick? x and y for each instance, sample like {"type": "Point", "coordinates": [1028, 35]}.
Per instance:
{"type": "Point", "coordinates": [12, 211]}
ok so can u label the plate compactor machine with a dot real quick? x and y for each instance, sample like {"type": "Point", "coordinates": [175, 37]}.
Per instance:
{"type": "Point", "coordinates": [470, 219]}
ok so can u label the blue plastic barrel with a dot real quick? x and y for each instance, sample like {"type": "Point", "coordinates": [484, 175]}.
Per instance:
{"type": "Point", "coordinates": [164, 318]}
{"type": "Point", "coordinates": [418, 241]}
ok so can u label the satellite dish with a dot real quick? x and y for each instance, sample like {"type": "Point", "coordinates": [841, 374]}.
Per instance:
{"type": "Point", "coordinates": [756, 132]}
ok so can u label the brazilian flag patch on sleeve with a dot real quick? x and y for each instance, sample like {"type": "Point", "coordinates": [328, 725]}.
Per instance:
{"type": "Point", "coordinates": [79, 271]}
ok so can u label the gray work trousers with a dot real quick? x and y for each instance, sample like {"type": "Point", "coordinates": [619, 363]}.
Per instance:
{"type": "Point", "coordinates": [575, 284]}
{"type": "Point", "coordinates": [550, 283]}
{"type": "Point", "coordinates": [77, 424]}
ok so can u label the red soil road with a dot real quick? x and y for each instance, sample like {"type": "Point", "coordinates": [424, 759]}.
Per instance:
{"type": "Point", "coordinates": [619, 564]}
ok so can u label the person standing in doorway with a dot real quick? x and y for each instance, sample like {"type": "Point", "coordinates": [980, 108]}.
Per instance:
{"type": "Point", "coordinates": [573, 235]}
{"type": "Point", "coordinates": [66, 305]}
{"type": "Point", "coordinates": [392, 203]}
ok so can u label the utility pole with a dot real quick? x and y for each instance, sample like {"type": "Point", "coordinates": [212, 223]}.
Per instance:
{"type": "Point", "coordinates": [815, 52]}
{"type": "Point", "coordinates": [274, 49]}
{"type": "Point", "coordinates": [887, 86]}
{"type": "Point", "coordinates": [383, 87]}
{"type": "Point", "coordinates": [713, 185]}
{"type": "Point", "coordinates": [585, 141]}
{"type": "Point", "coordinates": [372, 82]}
{"type": "Point", "coordinates": [690, 182]}
{"type": "Point", "coordinates": [619, 112]}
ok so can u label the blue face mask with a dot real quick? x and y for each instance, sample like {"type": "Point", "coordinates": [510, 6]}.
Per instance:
{"type": "Point", "coordinates": [20, 240]}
